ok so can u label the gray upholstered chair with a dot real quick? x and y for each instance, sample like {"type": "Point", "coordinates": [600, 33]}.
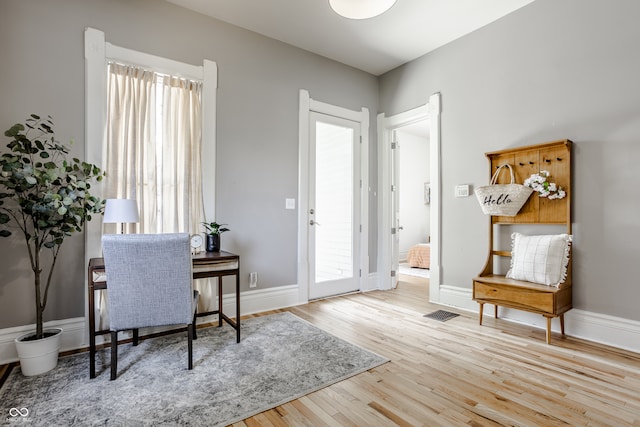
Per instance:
{"type": "Point", "coordinates": [149, 281]}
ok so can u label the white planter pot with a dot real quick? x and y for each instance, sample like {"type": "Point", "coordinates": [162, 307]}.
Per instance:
{"type": "Point", "coordinates": [38, 356]}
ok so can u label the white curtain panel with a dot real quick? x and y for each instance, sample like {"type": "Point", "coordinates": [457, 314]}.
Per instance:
{"type": "Point", "coordinates": [130, 139]}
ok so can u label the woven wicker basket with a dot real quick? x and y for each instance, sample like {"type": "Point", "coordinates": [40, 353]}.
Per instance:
{"type": "Point", "coordinates": [502, 199]}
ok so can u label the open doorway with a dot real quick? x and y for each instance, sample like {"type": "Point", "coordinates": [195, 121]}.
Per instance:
{"type": "Point", "coordinates": [414, 203]}
{"type": "Point", "coordinates": [390, 223]}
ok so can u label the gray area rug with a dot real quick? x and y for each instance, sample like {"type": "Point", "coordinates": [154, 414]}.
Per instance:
{"type": "Point", "coordinates": [280, 358]}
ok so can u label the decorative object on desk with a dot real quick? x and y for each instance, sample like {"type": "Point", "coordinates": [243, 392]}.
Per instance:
{"type": "Point", "coordinates": [502, 199]}
{"type": "Point", "coordinates": [538, 182]}
{"type": "Point", "coordinates": [121, 211]}
{"type": "Point", "coordinates": [47, 196]}
{"type": "Point", "coordinates": [196, 243]}
{"type": "Point", "coordinates": [214, 230]}
{"type": "Point", "coordinates": [230, 382]}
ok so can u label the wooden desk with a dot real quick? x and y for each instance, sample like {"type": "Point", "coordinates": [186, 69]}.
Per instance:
{"type": "Point", "coordinates": [205, 265]}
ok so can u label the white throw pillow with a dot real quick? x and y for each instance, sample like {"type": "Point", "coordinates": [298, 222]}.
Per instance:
{"type": "Point", "coordinates": [540, 259]}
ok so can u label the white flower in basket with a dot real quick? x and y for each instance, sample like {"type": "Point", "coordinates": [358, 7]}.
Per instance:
{"type": "Point", "coordinates": [538, 182]}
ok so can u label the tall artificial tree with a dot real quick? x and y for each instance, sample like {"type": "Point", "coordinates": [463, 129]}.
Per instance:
{"type": "Point", "coordinates": [46, 196]}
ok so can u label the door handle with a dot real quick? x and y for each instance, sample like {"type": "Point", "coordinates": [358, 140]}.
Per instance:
{"type": "Point", "coordinates": [312, 222]}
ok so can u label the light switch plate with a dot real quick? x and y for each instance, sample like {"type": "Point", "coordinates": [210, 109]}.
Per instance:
{"type": "Point", "coordinates": [290, 203]}
{"type": "Point", "coordinates": [462, 190]}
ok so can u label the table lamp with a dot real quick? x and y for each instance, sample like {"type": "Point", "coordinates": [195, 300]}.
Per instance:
{"type": "Point", "coordinates": [122, 211]}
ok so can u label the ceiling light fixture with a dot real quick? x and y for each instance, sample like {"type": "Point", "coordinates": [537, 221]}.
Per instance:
{"type": "Point", "coordinates": [361, 9]}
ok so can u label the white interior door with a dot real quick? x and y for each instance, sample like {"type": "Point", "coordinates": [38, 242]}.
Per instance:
{"type": "Point", "coordinates": [334, 206]}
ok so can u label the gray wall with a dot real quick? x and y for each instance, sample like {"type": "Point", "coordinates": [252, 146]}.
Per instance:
{"type": "Point", "coordinates": [42, 69]}
{"type": "Point", "coordinates": [552, 70]}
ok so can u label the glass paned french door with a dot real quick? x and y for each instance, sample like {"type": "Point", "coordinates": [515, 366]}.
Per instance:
{"type": "Point", "coordinates": [334, 206]}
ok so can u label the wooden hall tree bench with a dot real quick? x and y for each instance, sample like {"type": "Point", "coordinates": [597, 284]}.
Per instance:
{"type": "Point", "coordinates": [493, 288]}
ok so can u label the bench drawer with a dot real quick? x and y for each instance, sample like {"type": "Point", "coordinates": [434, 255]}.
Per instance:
{"type": "Point", "coordinates": [516, 297]}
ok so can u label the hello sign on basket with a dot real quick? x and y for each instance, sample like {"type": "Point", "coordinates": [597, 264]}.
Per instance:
{"type": "Point", "coordinates": [502, 199]}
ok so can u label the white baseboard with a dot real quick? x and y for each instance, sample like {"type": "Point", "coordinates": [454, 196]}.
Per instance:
{"type": "Point", "coordinates": [601, 328]}
{"type": "Point", "coordinates": [261, 300]}
{"type": "Point", "coordinates": [609, 330]}
{"type": "Point", "coordinates": [605, 329]}
{"type": "Point", "coordinates": [454, 296]}
{"type": "Point", "coordinates": [371, 284]}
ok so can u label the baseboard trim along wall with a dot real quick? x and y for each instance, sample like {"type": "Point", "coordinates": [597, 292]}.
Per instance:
{"type": "Point", "coordinates": [371, 284]}
{"type": "Point", "coordinates": [609, 330]}
{"type": "Point", "coordinates": [601, 328]}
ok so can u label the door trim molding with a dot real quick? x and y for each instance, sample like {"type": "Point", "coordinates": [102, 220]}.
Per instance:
{"type": "Point", "coordinates": [307, 105]}
{"type": "Point", "coordinates": [386, 125]}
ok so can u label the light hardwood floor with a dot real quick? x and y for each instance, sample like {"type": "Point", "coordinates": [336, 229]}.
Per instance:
{"type": "Point", "coordinates": [459, 373]}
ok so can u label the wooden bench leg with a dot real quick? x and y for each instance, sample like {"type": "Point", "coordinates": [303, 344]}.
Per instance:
{"type": "Point", "coordinates": [548, 330]}
{"type": "Point", "coordinates": [481, 311]}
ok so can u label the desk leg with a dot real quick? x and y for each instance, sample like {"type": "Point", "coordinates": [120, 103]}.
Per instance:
{"type": "Point", "coordinates": [92, 332]}
{"type": "Point", "coordinates": [219, 301]}
{"type": "Point", "coordinates": [238, 306]}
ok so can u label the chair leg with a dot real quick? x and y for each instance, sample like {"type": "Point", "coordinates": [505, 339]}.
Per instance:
{"type": "Point", "coordinates": [135, 337]}
{"type": "Point", "coordinates": [190, 330]}
{"type": "Point", "coordinates": [114, 354]}
{"type": "Point", "coordinates": [195, 333]}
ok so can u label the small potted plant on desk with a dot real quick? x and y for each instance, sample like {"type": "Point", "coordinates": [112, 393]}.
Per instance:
{"type": "Point", "coordinates": [214, 230]}
{"type": "Point", "coordinates": [47, 197]}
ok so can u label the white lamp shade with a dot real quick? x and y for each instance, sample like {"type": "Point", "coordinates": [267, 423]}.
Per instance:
{"type": "Point", "coordinates": [120, 210]}
{"type": "Point", "coordinates": [361, 9]}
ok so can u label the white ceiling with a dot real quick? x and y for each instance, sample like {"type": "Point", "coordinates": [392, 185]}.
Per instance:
{"type": "Point", "coordinates": [407, 31]}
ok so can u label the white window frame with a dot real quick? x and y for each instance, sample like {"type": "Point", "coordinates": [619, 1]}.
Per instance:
{"type": "Point", "coordinates": [97, 52]}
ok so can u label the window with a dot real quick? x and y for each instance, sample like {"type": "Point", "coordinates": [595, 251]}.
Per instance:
{"type": "Point", "coordinates": [98, 53]}
{"type": "Point", "coordinates": [150, 149]}
{"type": "Point", "coordinates": [153, 147]}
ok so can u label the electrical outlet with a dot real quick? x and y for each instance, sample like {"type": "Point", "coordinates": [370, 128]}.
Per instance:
{"type": "Point", "coordinates": [253, 280]}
